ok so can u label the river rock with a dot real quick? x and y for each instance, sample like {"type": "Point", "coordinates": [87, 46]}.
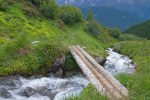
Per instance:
{"type": "Point", "coordinates": [58, 65]}
{"type": "Point", "coordinates": [4, 93]}
{"type": "Point", "coordinates": [101, 60]}
{"type": "Point", "coordinates": [8, 82]}
{"type": "Point", "coordinates": [59, 73]}
{"type": "Point", "coordinates": [27, 92]}
{"type": "Point", "coordinates": [44, 92]}
{"type": "Point", "coordinates": [72, 73]}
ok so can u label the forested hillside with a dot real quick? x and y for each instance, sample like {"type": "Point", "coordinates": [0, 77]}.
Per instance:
{"type": "Point", "coordinates": [138, 7]}
{"type": "Point", "coordinates": [141, 30]}
{"type": "Point", "coordinates": [119, 19]}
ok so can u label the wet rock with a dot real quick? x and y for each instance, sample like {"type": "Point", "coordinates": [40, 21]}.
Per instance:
{"type": "Point", "coordinates": [35, 76]}
{"type": "Point", "coordinates": [10, 82]}
{"type": "Point", "coordinates": [59, 73]}
{"type": "Point", "coordinates": [116, 48]}
{"type": "Point", "coordinates": [122, 56]}
{"type": "Point", "coordinates": [101, 60]}
{"type": "Point", "coordinates": [58, 65]}
{"type": "Point", "coordinates": [27, 92]}
{"type": "Point", "coordinates": [67, 84]}
{"type": "Point", "coordinates": [44, 92]}
{"type": "Point", "coordinates": [72, 73]}
{"type": "Point", "coordinates": [4, 93]}
{"type": "Point", "coordinates": [7, 82]}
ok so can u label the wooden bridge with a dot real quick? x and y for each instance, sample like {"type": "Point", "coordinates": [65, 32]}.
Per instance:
{"type": "Point", "coordinates": [103, 81]}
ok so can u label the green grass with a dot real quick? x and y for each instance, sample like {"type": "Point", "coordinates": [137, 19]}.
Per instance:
{"type": "Point", "coordinates": [20, 26]}
{"type": "Point", "coordinates": [17, 30]}
{"type": "Point", "coordinates": [137, 83]}
{"type": "Point", "coordinates": [89, 93]}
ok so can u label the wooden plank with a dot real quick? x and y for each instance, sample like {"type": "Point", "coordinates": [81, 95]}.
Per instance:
{"type": "Point", "coordinates": [110, 91]}
{"type": "Point", "coordinates": [114, 81]}
{"type": "Point", "coordinates": [103, 81]}
{"type": "Point", "coordinates": [87, 72]}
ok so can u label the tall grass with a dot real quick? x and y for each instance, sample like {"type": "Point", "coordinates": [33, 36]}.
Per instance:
{"type": "Point", "coordinates": [18, 31]}
{"type": "Point", "coordinates": [137, 83]}
{"type": "Point", "coordinates": [89, 93]}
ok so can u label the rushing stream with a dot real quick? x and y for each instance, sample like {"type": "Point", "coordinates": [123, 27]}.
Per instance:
{"type": "Point", "coordinates": [54, 88]}
{"type": "Point", "coordinates": [118, 63]}
{"type": "Point", "coordinates": [41, 88]}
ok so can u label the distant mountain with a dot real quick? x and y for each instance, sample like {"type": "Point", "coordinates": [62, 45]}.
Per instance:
{"type": "Point", "coordinates": [112, 17]}
{"type": "Point", "coordinates": [124, 13]}
{"type": "Point", "coordinates": [141, 30]}
{"type": "Point", "coordinates": [137, 7]}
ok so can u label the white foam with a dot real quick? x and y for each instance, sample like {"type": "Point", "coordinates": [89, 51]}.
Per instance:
{"type": "Point", "coordinates": [117, 63]}
{"type": "Point", "coordinates": [61, 87]}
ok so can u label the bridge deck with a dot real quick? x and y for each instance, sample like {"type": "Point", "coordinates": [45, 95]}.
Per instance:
{"type": "Point", "coordinates": [103, 81]}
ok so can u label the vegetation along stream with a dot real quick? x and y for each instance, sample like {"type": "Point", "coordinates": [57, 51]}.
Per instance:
{"type": "Point", "coordinates": [55, 88]}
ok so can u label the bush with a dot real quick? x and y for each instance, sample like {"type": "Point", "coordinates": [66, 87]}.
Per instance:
{"type": "Point", "coordinates": [70, 14]}
{"type": "Point", "coordinates": [30, 10]}
{"type": "Point", "coordinates": [93, 28]}
{"type": "Point", "coordinates": [47, 53]}
{"type": "Point", "coordinates": [5, 4]}
{"type": "Point", "coordinates": [60, 24]}
{"type": "Point", "coordinates": [70, 64]}
{"type": "Point", "coordinates": [115, 33]}
{"type": "Point", "coordinates": [49, 9]}
{"type": "Point", "coordinates": [125, 37]}
{"type": "Point", "coordinates": [36, 2]}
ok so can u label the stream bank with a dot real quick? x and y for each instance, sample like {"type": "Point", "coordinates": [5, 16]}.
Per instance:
{"type": "Point", "coordinates": [57, 86]}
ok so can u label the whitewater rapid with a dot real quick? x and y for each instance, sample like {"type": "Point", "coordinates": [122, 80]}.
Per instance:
{"type": "Point", "coordinates": [117, 63]}
{"type": "Point", "coordinates": [55, 88]}
{"type": "Point", "coordinates": [52, 88]}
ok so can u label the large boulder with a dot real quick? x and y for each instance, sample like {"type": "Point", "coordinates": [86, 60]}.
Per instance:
{"type": "Point", "coordinates": [101, 60]}
{"type": "Point", "coordinates": [60, 72]}
{"type": "Point", "coordinates": [4, 93]}
{"type": "Point", "coordinates": [27, 92]}
{"type": "Point", "coordinates": [58, 65]}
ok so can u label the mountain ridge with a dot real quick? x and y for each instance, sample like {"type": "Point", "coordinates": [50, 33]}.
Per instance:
{"type": "Point", "coordinates": [125, 13]}
{"type": "Point", "coordinates": [141, 30]}
{"type": "Point", "coordinates": [138, 7]}
{"type": "Point", "coordinates": [118, 19]}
